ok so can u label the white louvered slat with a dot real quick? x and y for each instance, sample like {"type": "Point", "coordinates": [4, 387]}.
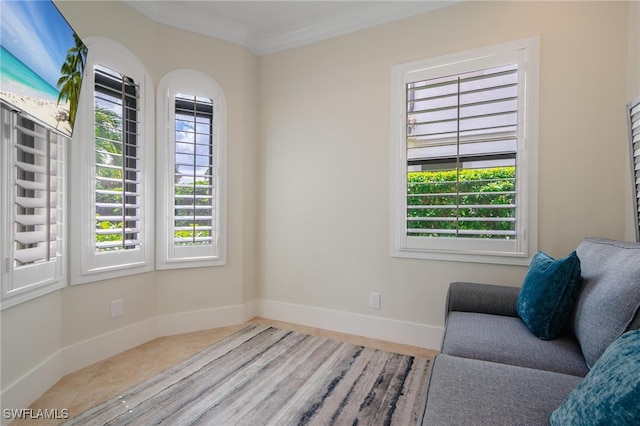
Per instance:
{"type": "Point", "coordinates": [30, 255]}
{"type": "Point", "coordinates": [32, 237]}
{"type": "Point", "coordinates": [31, 203]}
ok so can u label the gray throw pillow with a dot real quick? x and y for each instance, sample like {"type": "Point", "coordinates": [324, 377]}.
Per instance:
{"type": "Point", "coordinates": [609, 297]}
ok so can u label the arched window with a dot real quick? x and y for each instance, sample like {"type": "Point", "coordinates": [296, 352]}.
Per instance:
{"type": "Point", "coordinates": [191, 171]}
{"type": "Point", "coordinates": [112, 177]}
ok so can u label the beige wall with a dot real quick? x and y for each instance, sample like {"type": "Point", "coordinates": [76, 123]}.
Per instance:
{"type": "Point", "coordinates": [324, 137]}
{"type": "Point", "coordinates": [633, 85]}
{"type": "Point", "coordinates": [634, 49]}
{"type": "Point", "coordinates": [30, 334]}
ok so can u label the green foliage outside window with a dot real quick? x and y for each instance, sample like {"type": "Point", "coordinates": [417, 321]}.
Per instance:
{"type": "Point", "coordinates": [192, 234]}
{"type": "Point", "coordinates": [473, 200]}
{"type": "Point", "coordinates": [201, 189]}
{"type": "Point", "coordinates": [108, 139]}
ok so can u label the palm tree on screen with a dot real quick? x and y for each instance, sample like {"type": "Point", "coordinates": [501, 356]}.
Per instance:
{"type": "Point", "coordinates": [71, 77]}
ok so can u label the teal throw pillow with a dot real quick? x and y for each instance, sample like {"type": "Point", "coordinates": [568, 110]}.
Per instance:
{"type": "Point", "coordinates": [610, 392]}
{"type": "Point", "coordinates": [549, 293]}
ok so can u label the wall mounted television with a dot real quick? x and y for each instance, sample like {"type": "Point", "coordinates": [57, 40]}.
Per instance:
{"type": "Point", "coordinates": [42, 63]}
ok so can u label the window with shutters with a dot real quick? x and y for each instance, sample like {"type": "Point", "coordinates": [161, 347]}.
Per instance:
{"type": "Point", "coordinates": [633, 121]}
{"type": "Point", "coordinates": [33, 231]}
{"type": "Point", "coordinates": [113, 173]}
{"type": "Point", "coordinates": [192, 196]}
{"type": "Point", "coordinates": [464, 147]}
{"type": "Point", "coordinates": [116, 161]}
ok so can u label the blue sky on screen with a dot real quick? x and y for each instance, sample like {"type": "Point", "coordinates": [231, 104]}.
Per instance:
{"type": "Point", "coordinates": [37, 34]}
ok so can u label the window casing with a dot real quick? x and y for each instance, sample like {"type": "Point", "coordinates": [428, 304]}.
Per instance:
{"type": "Point", "coordinates": [113, 176]}
{"type": "Point", "coordinates": [191, 171]}
{"type": "Point", "coordinates": [31, 208]}
{"type": "Point", "coordinates": [464, 155]}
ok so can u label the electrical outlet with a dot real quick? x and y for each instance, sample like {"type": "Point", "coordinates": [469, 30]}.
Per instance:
{"type": "Point", "coordinates": [374, 300]}
{"type": "Point", "coordinates": [117, 308]}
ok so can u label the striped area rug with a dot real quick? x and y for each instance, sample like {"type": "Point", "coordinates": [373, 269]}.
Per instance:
{"type": "Point", "coordinates": [268, 376]}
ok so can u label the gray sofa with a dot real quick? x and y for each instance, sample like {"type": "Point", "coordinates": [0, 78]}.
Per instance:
{"type": "Point", "coordinates": [493, 371]}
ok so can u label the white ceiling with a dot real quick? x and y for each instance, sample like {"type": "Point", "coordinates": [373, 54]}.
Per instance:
{"type": "Point", "coordinates": [270, 26]}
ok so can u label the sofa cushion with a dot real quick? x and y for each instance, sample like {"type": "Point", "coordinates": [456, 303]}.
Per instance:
{"type": "Point", "coordinates": [468, 391]}
{"type": "Point", "coordinates": [610, 393]}
{"type": "Point", "coordinates": [609, 296]}
{"type": "Point", "coordinates": [483, 298]}
{"type": "Point", "coordinates": [507, 340]}
{"type": "Point", "coordinates": [548, 294]}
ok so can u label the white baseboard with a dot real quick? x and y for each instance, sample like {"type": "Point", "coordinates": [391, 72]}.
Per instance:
{"type": "Point", "coordinates": [79, 355]}
{"type": "Point", "coordinates": [251, 309]}
{"type": "Point", "coordinates": [187, 322]}
{"type": "Point", "coordinates": [98, 348]}
{"type": "Point", "coordinates": [396, 331]}
{"type": "Point", "coordinates": [33, 384]}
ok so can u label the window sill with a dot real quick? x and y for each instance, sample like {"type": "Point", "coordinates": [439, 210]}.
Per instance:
{"type": "Point", "coordinates": [460, 256]}
{"type": "Point", "coordinates": [190, 263]}
{"type": "Point", "coordinates": [116, 271]}
{"type": "Point", "coordinates": [21, 296]}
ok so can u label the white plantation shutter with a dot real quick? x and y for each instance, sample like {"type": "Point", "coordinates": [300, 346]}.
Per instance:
{"type": "Point", "coordinates": [34, 203]}
{"type": "Point", "coordinates": [463, 123]}
{"type": "Point", "coordinates": [192, 193]}
{"type": "Point", "coordinates": [194, 173]}
{"type": "Point", "coordinates": [116, 164]}
{"type": "Point", "coordinates": [36, 200]}
{"type": "Point", "coordinates": [634, 141]}
{"type": "Point", "coordinates": [464, 155]}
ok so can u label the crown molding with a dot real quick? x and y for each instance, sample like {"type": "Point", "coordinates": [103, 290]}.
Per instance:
{"type": "Point", "coordinates": [373, 14]}
{"type": "Point", "coordinates": [181, 17]}
{"type": "Point", "coordinates": [369, 14]}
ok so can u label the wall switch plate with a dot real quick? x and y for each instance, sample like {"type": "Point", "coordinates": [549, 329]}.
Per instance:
{"type": "Point", "coordinates": [374, 300]}
{"type": "Point", "coordinates": [117, 308]}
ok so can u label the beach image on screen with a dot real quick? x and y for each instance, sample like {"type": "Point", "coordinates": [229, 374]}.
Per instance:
{"type": "Point", "coordinates": [41, 58]}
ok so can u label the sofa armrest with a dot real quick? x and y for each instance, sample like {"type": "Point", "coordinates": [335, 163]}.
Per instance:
{"type": "Point", "coordinates": [482, 298]}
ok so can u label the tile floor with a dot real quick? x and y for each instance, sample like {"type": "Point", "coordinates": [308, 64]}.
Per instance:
{"type": "Point", "coordinates": [96, 383]}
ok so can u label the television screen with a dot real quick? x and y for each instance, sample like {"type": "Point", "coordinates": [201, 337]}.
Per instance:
{"type": "Point", "coordinates": [42, 63]}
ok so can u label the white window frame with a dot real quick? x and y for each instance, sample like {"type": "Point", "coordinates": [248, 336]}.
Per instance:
{"type": "Point", "coordinates": [168, 256]}
{"type": "Point", "coordinates": [38, 279]}
{"type": "Point", "coordinates": [87, 265]}
{"type": "Point", "coordinates": [633, 131]}
{"type": "Point", "coordinates": [526, 53]}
